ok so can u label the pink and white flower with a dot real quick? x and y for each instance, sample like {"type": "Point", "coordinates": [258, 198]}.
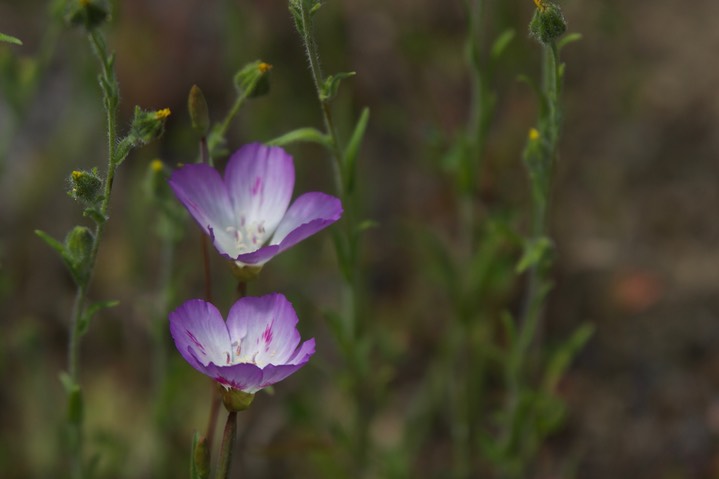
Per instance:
{"type": "Point", "coordinates": [258, 345]}
{"type": "Point", "coordinates": [246, 213]}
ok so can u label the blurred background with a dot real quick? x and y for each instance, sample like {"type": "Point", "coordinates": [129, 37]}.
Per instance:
{"type": "Point", "coordinates": [632, 217]}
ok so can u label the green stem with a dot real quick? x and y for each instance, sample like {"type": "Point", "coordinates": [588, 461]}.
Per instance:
{"type": "Point", "coordinates": [110, 101]}
{"type": "Point", "coordinates": [530, 325]}
{"type": "Point", "coordinates": [360, 386]}
{"type": "Point", "coordinates": [217, 135]}
{"type": "Point", "coordinates": [228, 441]}
{"type": "Point", "coordinates": [313, 58]}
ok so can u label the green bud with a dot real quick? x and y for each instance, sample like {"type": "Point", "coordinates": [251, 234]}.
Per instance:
{"type": "Point", "coordinates": [85, 186]}
{"type": "Point", "coordinates": [253, 79]}
{"type": "Point", "coordinates": [87, 13]}
{"type": "Point", "coordinates": [199, 113]}
{"type": "Point", "coordinates": [548, 23]}
{"type": "Point", "coordinates": [234, 399]}
{"type": "Point", "coordinates": [201, 458]}
{"type": "Point", "coordinates": [245, 273]}
{"type": "Point", "coordinates": [78, 247]}
{"type": "Point", "coordinates": [147, 125]}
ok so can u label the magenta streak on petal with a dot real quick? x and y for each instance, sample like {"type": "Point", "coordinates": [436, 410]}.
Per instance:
{"type": "Point", "coordinates": [194, 340]}
{"type": "Point", "coordinates": [257, 186]}
{"type": "Point", "coordinates": [230, 383]}
{"type": "Point", "coordinates": [267, 336]}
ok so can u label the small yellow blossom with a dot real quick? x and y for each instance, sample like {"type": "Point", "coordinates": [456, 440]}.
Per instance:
{"type": "Point", "coordinates": [157, 166]}
{"type": "Point", "coordinates": [540, 5]}
{"type": "Point", "coordinates": [533, 134]}
{"type": "Point", "coordinates": [264, 67]}
{"type": "Point", "coordinates": [162, 114]}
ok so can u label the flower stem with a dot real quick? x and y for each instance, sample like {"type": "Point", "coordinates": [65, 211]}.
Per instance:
{"type": "Point", "coordinates": [228, 441]}
{"type": "Point", "coordinates": [518, 438]}
{"type": "Point", "coordinates": [110, 92]}
{"type": "Point", "coordinates": [347, 246]}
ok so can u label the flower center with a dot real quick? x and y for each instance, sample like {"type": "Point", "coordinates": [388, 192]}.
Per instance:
{"type": "Point", "coordinates": [235, 355]}
{"type": "Point", "coordinates": [248, 237]}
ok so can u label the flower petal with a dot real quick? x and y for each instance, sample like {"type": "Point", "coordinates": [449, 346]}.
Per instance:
{"type": "Point", "coordinates": [263, 330]}
{"type": "Point", "coordinates": [260, 180]}
{"type": "Point", "coordinates": [200, 334]}
{"type": "Point", "coordinates": [259, 257]}
{"type": "Point", "coordinates": [303, 353]}
{"type": "Point", "coordinates": [309, 214]}
{"type": "Point", "coordinates": [273, 374]}
{"type": "Point", "coordinates": [245, 377]}
{"type": "Point", "coordinates": [201, 190]}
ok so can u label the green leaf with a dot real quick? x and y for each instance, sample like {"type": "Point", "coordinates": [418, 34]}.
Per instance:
{"type": "Point", "coordinates": [366, 225]}
{"type": "Point", "coordinates": [315, 7]}
{"type": "Point", "coordinates": [562, 357]}
{"type": "Point", "coordinates": [534, 252]}
{"type": "Point", "coordinates": [91, 311]}
{"type": "Point", "coordinates": [349, 158]}
{"type": "Point", "coordinates": [53, 243]}
{"type": "Point", "coordinates": [332, 84]}
{"type": "Point", "coordinates": [9, 39]}
{"type": "Point", "coordinates": [308, 135]}
{"type": "Point", "coordinates": [501, 43]}
{"type": "Point", "coordinates": [571, 38]}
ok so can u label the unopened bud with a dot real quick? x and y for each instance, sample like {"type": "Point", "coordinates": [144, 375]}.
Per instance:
{"type": "Point", "coordinates": [147, 125]}
{"type": "Point", "coordinates": [253, 79]}
{"type": "Point", "coordinates": [548, 23]}
{"type": "Point", "coordinates": [199, 113]}
{"type": "Point", "coordinates": [78, 245]}
{"type": "Point", "coordinates": [85, 186]}
{"type": "Point", "coordinates": [88, 13]}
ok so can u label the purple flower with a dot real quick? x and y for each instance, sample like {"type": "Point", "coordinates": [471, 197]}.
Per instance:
{"type": "Point", "coordinates": [255, 348]}
{"type": "Point", "coordinates": [246, 213]}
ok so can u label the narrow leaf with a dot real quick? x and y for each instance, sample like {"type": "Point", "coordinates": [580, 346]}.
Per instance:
{"type": "Point", "coordinates": [349, 159]}
{"type": "Point", "coordinates": [534, 252]}
{"type": "Point", "coordinates": [91, 311]}
{"type": "Point", "coordinates": [332, 84]}
{"type": "Point", "coordinates": [366, 225]}
{"type": "Point", "coordinates": [52, 243]}
{"type": "Point", "coordinates": [308, 135]}
{"type": "Point", "coordinates": [571, 38]}
{"type": "Point", "coordinates": [562, 358]}
{"type": "Point", "coordinates": [9, 39]}
{"type": "Point", "coordinates": [501, 43]}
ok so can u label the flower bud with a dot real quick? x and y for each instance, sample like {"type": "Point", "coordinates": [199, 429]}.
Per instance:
{"type": "Point", "coordinates": [147, 125]}
{"type": "Point", "coordinates": [201, 458]}
{"type": "Point", "coordinates": [548, 23]}
{"type": "Point", "coordinates": [199, 113]}
{"type": "Point", "coordinates": [85, 186]}
{"type": "Point", "coordinates": [78, 247]}
{"type": "Point", "coordinates": [245, 273]}
{"type": "Point", "coordinates": [234, 399]}
{"type": "Point", "coordinates": [87, 13]}
{"type": "Point", "coordinates": [253, 79]}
